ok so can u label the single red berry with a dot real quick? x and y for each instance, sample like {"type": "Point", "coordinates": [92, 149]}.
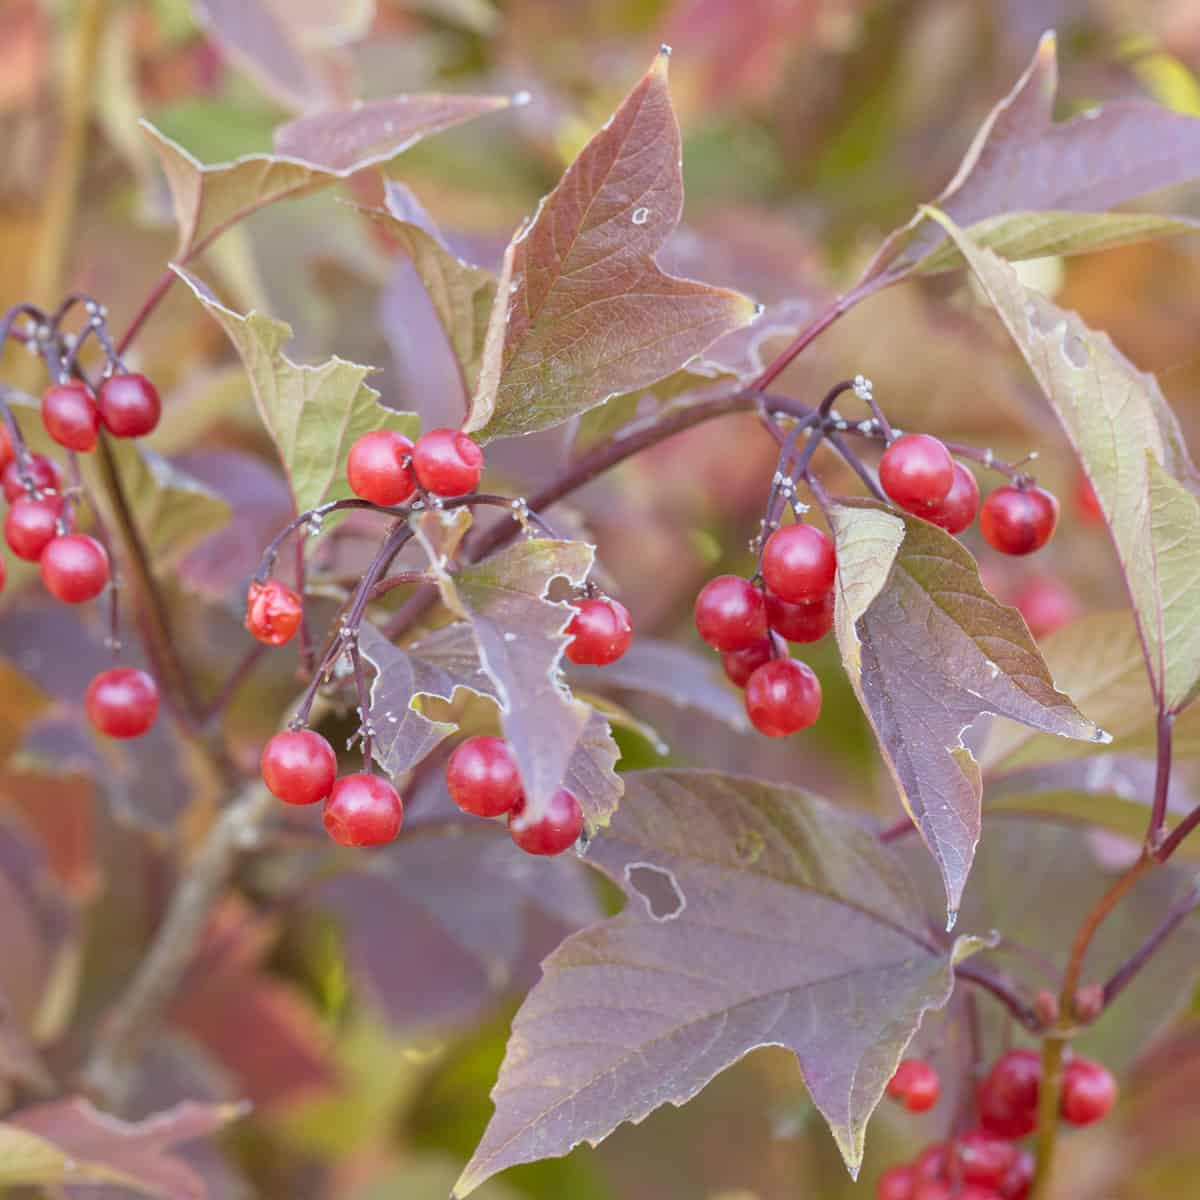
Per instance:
{"type": "Point", "coordinates": [273, 612]}
{"type": "Point", "coordinates": [956, 512]}
{"type": "Point", "coordinates": [482, 777]}
{"type": "Point", "coordinates": [1018, 520]}
{"type": "Point", "coordinates": [363, 810]}
{"type": "Point", "coordinates": [7, 453]}
{"type": "Point", "coordinates": [917, 472]}
{"type": "Point", "coordinates": [741, 664]}
{"type": "Point", "coordinates": [129, 405]}
{"type": "Point", "coordinates": [42, 471]}
{"type": "Point", "coordinates": [122, 703]}
{"type": "Point", "coordinates": [1008, 1097]}
{"type": "Point", "coordinates": [782, 697]}
{"type": "Point", "coordinates": [916, 1085]}
{"type": "Point", "coordinates": [31, 525]}
{"type": "Point", "coordinates": [601, 632]}
{"type": "Point", "coordinates": [1046, 604]}
{"type": "Point", "coordinates": [299, 766]}
{"type": "Point", "coordinates": [984, 1158]}
{"type": "Point", "coordinates": [1089, 1092]}
{"type": "Point", "coordinates": [933, 1162]}
{"type": "Point", "coordinates": [799, 563]}
{"type": "Point", "coordinates": [378, 468]}
{"type": "Point", "coordinates": [70, 415]}
{"type": "Point", "coordinates": [447, 462]}
{"type": "Point", "coordinates": [74, 568]}
{"type": "Point", "coordinates": [553, 831]}
{"type": "Point", "coordinates": [1018, 1183]}
{"type": "Point", "coordinates": [1087, 502]}
{"type": "Point", "coordinates": [800, 622]}
{"type": "Point", "coordinates": [896, 1183]}
{"type": "Point", "coordinates": [730, 613]}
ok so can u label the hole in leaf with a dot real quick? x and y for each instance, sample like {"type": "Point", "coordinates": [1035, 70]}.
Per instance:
{"type": "Point", "coordinates": [658, 888]}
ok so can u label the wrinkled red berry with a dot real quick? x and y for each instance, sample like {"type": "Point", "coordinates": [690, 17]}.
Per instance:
{"type": "Point", "coordinates": [447, 462]}
{"type": "Point", "coordinates": [122, 703]}
{"type": "Point", "coordinates": [782, 697]}
{"type": "Point", "coordinates": [31, 525]}
{"type": "Point", "coordinates": [984, 1158]}
{"type": "Point", "coordinates": [956, 512]}
{"type": "Point", "coordinates": [799, 564]}
{"type": "Point", "coordinates": [1008, 1097]}
{"type": "Point", "coordinates": [273, 612]}
{"type": "Point", "coordinates": [601, 632]}
{"type": "Point", "coordinates": [70, 415]}
{"type": "Point", "coordinates": [42, 471]}
{"type": "Point", "coordinates": [129, 405]}
{"type": "Point", "coordinates": [482, 777]}
{"type": "Point", "coordinates": [1089, 1092]}
{"type": "Point", "coordinates": [917, 472]}
{"type": "Point", "coordinates": [299, 766]}
{"type": "Point", "coordinates": [551, 832]}
{"type": "Point", "coordinates": [74, 568]}
{"type": "Point", "coordinates": [741, 664]}
{"type": "Point", "coordinates": [896, 1183]}
{"type": "Point", "coordinates": [730, 613]}
{"type": "Point", "coordinates": [916, 1085]}
{"type": "Point", "coordinates": [378, 468]}
{"type": "Point", "coordinates": [1018, 520]}
{"type": "Point", "coordinates": [800, 622]}
{"type": "Point", "coordinates": [363, 810]}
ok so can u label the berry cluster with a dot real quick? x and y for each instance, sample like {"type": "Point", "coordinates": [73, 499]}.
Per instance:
{"type": "Point", "coordinates": [985, 1162]}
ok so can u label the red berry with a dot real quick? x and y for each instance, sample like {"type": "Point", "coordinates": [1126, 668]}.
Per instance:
{"type": "Point", "coordinates": [555, 830]}
{"type": "Point", "coordinates": [782, 697]}
{"type": "Point", "coordinates": [916, 1085]}
{"type": "Point", "coordinates": [896, 1183]}
{"type": "Point", "coordinates": [601, 631]}
{"type": "Point", "coordinates": [741, 664]}
{"type": "Point", "coordinates": [799, 563]}
{"type": "Point", "coordinates": [730, 613]}
{"type": "Point", "coordinates": [1008, 1098]}
{"type": "Point", "coordinates": [1046, 605]}
{"type": "Point", "coordinates": [1089, 1092]}
{"type": "Point", "coordinates": [123, 702]}
{"type": "Point", "coordinates": [299, 766]}
{"type": "Point", "coordinates": [1018, 520]}
{"type": "Point", "coordinates": [70, 415]}
{"type": "Point", "coordinates": [74, 568]}
{"type": "Point", "coordinates": [43, 472]}
{"type": "Point", "coordinates": [7, 453]}
{"type": "Point", "coordinates": [363, 810]}
{"type": "Point", "coordinates": [378, 468]}
{"type": "Point", "coordinates": [800, 622]}
{"type": "Point", "coordinates": [1087, 502]}
{"type": "Point", "coordinates": [932, 1189]}
{"type": "Point", "coordinates": [932, 1162]}
{"type": "Point", "coordinates": [482, 777]}
{"type": "Point", "coordinates": [984, 1158]}
{"type": "Point", "coordinates": [129, 405]}
{"type": "Point", "coordinates": [1018, 1183]}
{"type": "Point", "coordinates": [958, 509]}
{"type": "Point", "coordinates": [273, 612]}
{"type": "Point", "coordinates": [917, 472]}
{"type": "Point", "coordinates": [31, 525]}
{"type": "Point", "coordinates": [447, 462]}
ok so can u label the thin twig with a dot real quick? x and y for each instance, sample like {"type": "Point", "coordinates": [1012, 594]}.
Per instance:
{"type": "Point", "coordinates": [1003, 991]}
{"type": "Point", "coordinates": [1125, 974]}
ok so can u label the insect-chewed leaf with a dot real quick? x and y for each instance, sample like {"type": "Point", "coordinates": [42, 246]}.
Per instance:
{"type": "Point", "coordinates": [587, 313]}
{"type": "Point", "coordinates": [757, 915]}
{"type": "Point", "coordinates": [1132, 450]}
{"type": "Point", "coordinates": [929, 650]}
{"type": "Point", "coordinates": [314, 414]}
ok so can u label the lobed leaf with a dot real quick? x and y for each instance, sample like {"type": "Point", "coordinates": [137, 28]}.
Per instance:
{"type": "Point", "coordinates": [585, 313]}
{"type": "Point", "coordinates": [757, 915]}
{"type": "Point", "coordinates": [928, 651]}
{"type": "Point", "coordinates": [314, 414]}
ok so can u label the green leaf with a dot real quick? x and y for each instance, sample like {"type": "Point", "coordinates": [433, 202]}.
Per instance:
{"type": "Point", "coordinates": [313, 414]}
{"type": "Point", "coordinates": [1121, 427]}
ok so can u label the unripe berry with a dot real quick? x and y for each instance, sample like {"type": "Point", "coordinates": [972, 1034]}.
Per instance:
{"type": "Point", "coordinates": [122, 703]}
{"type": "Point", "coordinates": [378, 468]}
{"type": "Point", "coordinates": [31, 525]}
{"type": "Point", "coordinates": [730, 613]}
{"type": "Point", "coordinates": [42, 471]}
{"type": "Point", "coordinates": [917, 472]}
{"type": "Point", "coordinates": [1018, 520]}
{"type": "Point", "coordinates": [799, 564]}
{"type": "Point", "coordinates": [447, 462]}
{"type": "Point", "coordinates": [782, 697]}
{"type": "Point", "coordinates": [551, 832]}
{"type": "Point", "coordinates": [1089, 1002]}
{"type": "Point", "coordinates": [956, 512]}
{"type": "Point", "coordinates": [800, 622]}
{"type": "Point", "coordinates": [299, 766]}
{"type": "Point", "coordinates": [741, 664]}
{"type": "Point", "coordinates": [601, 632]}
{"type": "Point", "coordinates": [916, 1085]}
{"type": "Point", "coordinates": [273, 612]}
{"type": "Point", "coordinates": [129, 405]}
{"type": "Point", "coordinates": [363, 810]}
{"type": "Point", "coordinates": [482, 777]}
{"type": "Point", "coordinates": [70, 415]}
{"type": "Point", "coordinates": [1089, 1092]}
{"type": "Point", "coordinates": [74, 568]}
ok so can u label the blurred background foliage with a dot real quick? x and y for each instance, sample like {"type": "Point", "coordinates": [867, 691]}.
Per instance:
{"type": "Point", "coordinates": [364, 1013]}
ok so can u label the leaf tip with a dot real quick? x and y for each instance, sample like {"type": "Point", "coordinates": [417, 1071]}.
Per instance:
{"type": "Point", "coordinates": [1047, 49]}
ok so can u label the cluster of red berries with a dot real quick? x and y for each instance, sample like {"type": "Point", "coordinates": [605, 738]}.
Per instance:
{"type": "Point", "coordinates": [985, 1163]}
{"type": "Point", "coordinates": [40, 525]}
{"type": "Point", "coordinates": [749, 625]}
{"type": "Point", "coordinates": [918, 473]}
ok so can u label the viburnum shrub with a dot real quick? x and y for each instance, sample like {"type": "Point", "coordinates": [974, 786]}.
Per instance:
{"type": "Point", "coordinates": [347, 660]}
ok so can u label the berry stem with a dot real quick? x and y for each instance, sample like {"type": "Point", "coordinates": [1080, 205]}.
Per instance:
{"type": "Point", "coordinates": [152, 301]}
{"type": "Point", "coordinates": [1049, 1091]}
{"type": "Point", "coordinates": [240, 673]}
{"type": "Point", "coordinates": [1003, 990]}
{"type": "Point", "coordinates": [1178, 913]}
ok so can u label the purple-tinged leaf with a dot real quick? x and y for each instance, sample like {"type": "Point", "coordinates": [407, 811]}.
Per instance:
{"type": "Point", "coordinates": [314, 414]}
{"type": "Point", "coordinates": [1132, 452]}
{"type": "Point", "coordinates": [928, 651]}
{"type": "Point", "coordinates": [588, 314]}
{"type": "Point", "coordinates": [70, 1142]}
{"type": "Point", "coordinates": [756, 916]}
